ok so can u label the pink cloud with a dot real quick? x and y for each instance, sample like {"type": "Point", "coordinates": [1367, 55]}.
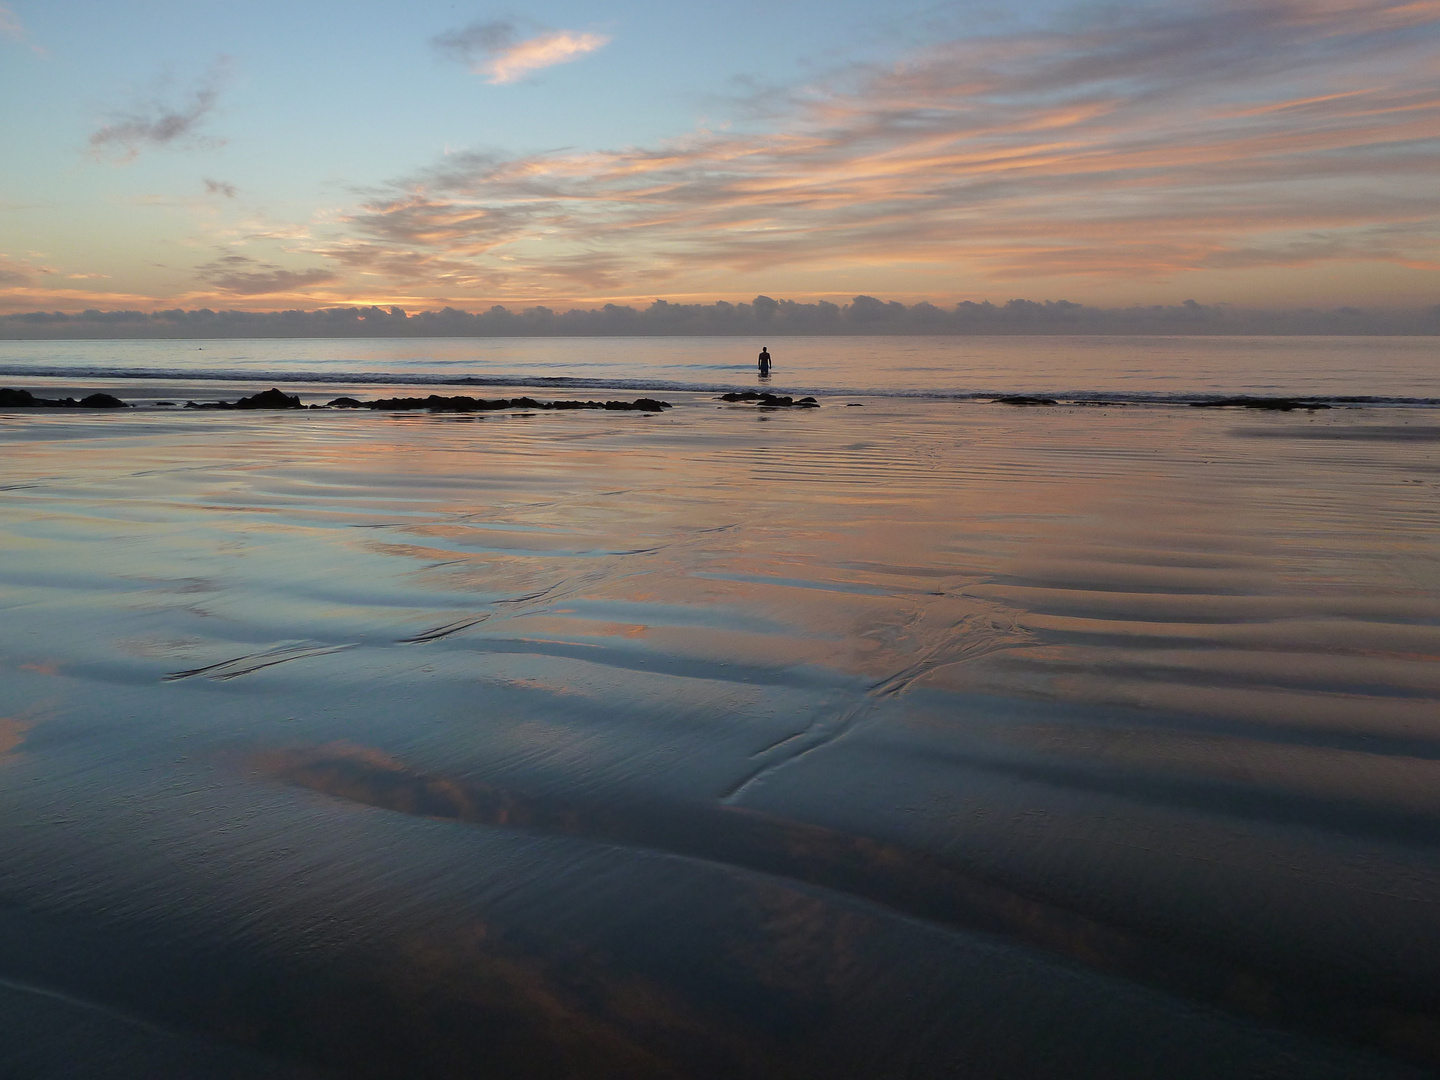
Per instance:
{"type": "Point", "coordinates": [1135, 143]}
{"type": "Point", "coordinates": [547, 50]}
{"type": "Point", "coordinates": [497, 50]}
{"type": "Point", "coordinates": [11, 27]}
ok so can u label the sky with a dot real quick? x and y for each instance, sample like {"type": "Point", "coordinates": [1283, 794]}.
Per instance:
{"type": "Point", "coordinates": [264, 156]}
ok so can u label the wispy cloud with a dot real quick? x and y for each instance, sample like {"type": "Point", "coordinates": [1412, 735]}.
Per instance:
{"type": "Point", "coordinates": [496, 49]}
{"type": "Point", "coordinates": [244, 276]}
{"type": "Point", "coordinates": [13, 273]}
{"type": "Point", "coordinates": [12, 28]}
{"type": "Point", "coordinates": [159, 121]}
{"type": "Point", "coordinates": [1143, 141]}
{"type": "Point", "coordinates": [220, 187]}
{"type": "Point", "coordinates": [18, 272]}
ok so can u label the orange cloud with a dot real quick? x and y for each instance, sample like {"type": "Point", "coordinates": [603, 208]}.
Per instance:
{"type": "Point", "coordinates": [1135, 144]}
{"type": "Point", "coordinates": [1138, 144]}
{"type": "Point", "coordinates": [496, 49]}
{"type": "Point", "coordinates": [521, 59]}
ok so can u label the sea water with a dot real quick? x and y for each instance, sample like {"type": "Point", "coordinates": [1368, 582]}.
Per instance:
{"type": "Point", "coordinates": [1404, 369]}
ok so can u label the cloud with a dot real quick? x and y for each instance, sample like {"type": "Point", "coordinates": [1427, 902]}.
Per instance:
{"type": "Point", "coordinates": [763, 315]}
{"type": "Point", "coordinates": [219, 187]}
{"type": "Point", "coordinates": [157, 123]}
{"type": "Point", "coordinates": [497, 50]}
{"type": "Point", "coordinates": [477, 42]}
{"type": "Point", "coordinates": [244, 276]}
{"type": "Point", "coordinates": [11, 27]}
{"type": "Point", "coordinates": [17, 272]}
{"type": "Point", "coordinates": [1136, 141]}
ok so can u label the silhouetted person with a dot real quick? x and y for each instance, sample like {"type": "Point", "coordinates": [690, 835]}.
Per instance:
{"type": "Point", "coordinates": [764, 362]}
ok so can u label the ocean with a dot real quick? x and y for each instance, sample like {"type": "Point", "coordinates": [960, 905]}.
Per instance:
{"type": "Point", "coordinates": [1395, 370]}
{"type": "Point", "coordinates": [911, 735]}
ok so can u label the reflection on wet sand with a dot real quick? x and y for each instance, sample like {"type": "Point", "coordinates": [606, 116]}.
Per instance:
{"type": "Point", "coordinates": [12, 734]}
{"type": "Point", "coordinates": [909, 740]}
{"type": "Point", "coordinates": [914, 883]}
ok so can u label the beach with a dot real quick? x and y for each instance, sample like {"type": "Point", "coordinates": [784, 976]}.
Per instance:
{"type": "Point", "coordinates": [911, 735]}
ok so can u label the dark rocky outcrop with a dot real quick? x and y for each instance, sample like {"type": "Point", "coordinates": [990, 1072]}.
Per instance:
{"type": "Point", "coordinates": [266, 399]}
{"type": "Point", "coordinates": [23, 399]}
{"type": "Point", "coordinates": [278, 399]}
{"type": "Point", "coordinates": [1023, 399]}
{"type": "Point", "coordinates": [1272, 404]}
{"type": "Point", "coordinates": [771, 401]}
{"type": "Point", "coordinates": [437, 403]}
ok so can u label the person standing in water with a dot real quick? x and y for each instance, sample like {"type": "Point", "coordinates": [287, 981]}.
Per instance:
{"type": "Point", "coordinates": [764, 361]}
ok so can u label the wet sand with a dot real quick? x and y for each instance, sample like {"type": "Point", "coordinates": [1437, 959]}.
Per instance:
{"type": "Point", "coordinates": [915, 739]}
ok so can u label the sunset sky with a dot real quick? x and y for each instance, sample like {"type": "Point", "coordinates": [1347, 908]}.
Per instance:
{"type": "Point", "coordinates": [265, 155]}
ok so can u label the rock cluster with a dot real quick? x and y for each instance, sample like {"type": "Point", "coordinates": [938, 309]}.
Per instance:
{"type": "Point", "coordinates": [23, 399]}
{"type": "Point", "coordinates": [266, 399]}
{"type": "Point", "coordinates": [436, 403]}
{"type": "Point", "coordinates": [771, 401]}
{"type": "Point", "coordinates": [275, 398]}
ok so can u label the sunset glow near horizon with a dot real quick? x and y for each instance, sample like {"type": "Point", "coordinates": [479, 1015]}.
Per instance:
{"type": "Point", "coordinates": [267, 155]}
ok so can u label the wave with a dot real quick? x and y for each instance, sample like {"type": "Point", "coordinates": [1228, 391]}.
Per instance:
{"type": "Point", "coordinates": [1024, 395]}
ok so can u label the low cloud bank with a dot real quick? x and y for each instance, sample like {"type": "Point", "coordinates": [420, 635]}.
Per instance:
{"type": "Point", "coordinates": [762, 317]}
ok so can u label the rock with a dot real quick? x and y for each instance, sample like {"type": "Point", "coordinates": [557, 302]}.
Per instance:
{"type": "Point", "coordinates": [269, 399]}
{"type": "Point", "coordinates": [770, 401]}
{"type": "Point", "coordinates": [266, 399]}
{"type": "Point", "coordinates": [23, 399]}
{"type": "Point", "coordinates": [1022, 399]}
{"type": "Point", "coordinates": [436, 403]}
{"type": "Point", "coordinates": [18, 399]}
{"type": "Point", "coordinates": [276, 399]}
